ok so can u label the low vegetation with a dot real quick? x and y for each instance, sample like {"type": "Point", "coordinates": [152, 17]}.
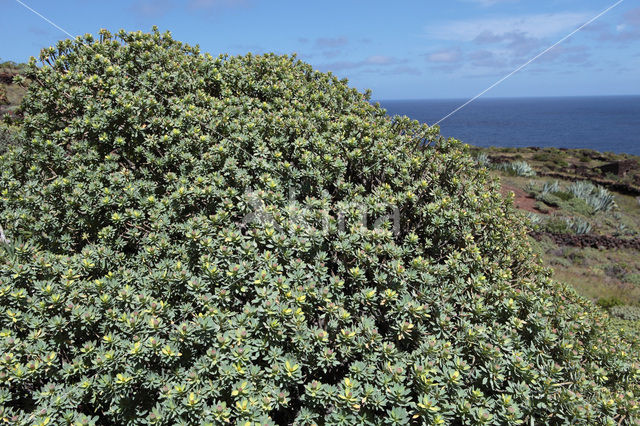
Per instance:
{"type": "Point", "coordinates": [244, 239]}
{"type": "Point", "coordinates": [571, 164]}
{"type": "Point", "coordinates": [568, 204]}
{"type": "Point", "coordinates": [10, 94]}
{"type": "Point", "coordinates": [518, 168]}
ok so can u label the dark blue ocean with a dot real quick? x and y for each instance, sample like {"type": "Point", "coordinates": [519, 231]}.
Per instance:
{"type": "Point", "coordinates": [603, 123]}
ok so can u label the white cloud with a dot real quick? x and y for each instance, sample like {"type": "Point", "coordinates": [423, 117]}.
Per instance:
{"type": "Point", "coordinates": [151, 9]}
{"type": "Point", "coordinates": [632, 17]}
{"type": "Point", "coordinates": [380, 60]}
{"type": "Point", "coordinates": [369, 62]}
{"type": "Point", "coordinates": [446, 56]}
{"type": "Point", "coordinates": [538, 26]}
{"type": "Point", "coordinates": [325, 42]}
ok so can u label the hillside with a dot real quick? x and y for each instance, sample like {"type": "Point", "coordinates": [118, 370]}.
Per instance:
{"type": "Point", "coordinates": [10, 94]}
{"type": "Point", "coordinates": [596, 250]}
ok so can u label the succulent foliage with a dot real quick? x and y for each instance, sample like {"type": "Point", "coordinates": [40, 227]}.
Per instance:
{"type": "Point", "coordinates": [483, 160]}
{"type": "Point", "coordinates": [245, 239]}
{"type": "Point", "coordinates": [550, 188]}
{"type": "Point", "coordinates": [518, 168]}
{"type": "Point", "coordinates": [597, 197]}
{"type": "Point", "coordinates": [579, 226]}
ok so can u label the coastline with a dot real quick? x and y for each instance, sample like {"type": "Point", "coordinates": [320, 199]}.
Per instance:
{"type": "Point", "coordinates": [590, 245]}
{"type": "Point", "coordinates": [602, 168]}
{"type": "Point", "coordinates": [603, 123]}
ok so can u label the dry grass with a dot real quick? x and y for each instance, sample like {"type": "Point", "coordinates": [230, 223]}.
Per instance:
{"type": "Point", "coordinates": [15, 94]}
{"type": "Point", "coordinates": [595, 274]}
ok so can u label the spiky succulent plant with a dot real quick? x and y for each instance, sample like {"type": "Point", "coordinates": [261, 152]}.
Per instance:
{"type": "Point", "coordinates": [245, 239]}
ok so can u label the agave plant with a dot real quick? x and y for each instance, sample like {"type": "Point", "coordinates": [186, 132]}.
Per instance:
{"type": "Point", "coordinates": [582, 189]}
{"type": "Point", "coordinates": [579, 226]}
{"type": "Point", "coordinates": [531, 187]}
{"type": "Point", "coordinates": [483, 160]}
{"type": "Point", "coordinates": [602, 200]}
{"type": "Point", "coordinates": [534, 218]}
{"type": "Point", "coordinates": [621, 229]}
{"type": "Point", "coordinates": [550, 188]}
{"type": "Point", "coordinates": [519, 168]}
{"type": "Point", "coordinates": [599, 198]}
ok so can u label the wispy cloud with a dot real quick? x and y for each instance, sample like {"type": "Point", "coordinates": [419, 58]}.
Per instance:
{"type": "Point", "coordinates": [632, 17]}
{"type": "Point", "coordinates": [332, 53]}
{"type": "Point", "coordinates": [326, 47]}
{"type": "Point", "coordinates": [535, 25]}
{"type": "Point", "coordinates": [507, 58]}
{"type": "Point", "coordinates": [151, 9]}
{"type": "Point", "coordinates": [400, 70]}
{"type": "Point", "coordinates": [396, 70]}
{"type": "Point", "coordinates": [445, 56]}
{"type": "Point", "coordinates": [626, 30]}
{"type": "Point", "coordinates": [39, 31]}
{"type": "Point", "coordinates": [381, 60]}
{"type": "Point", "coordinates": [516, 42]}
{"type": "Point", "coordinates": [371, 61]}
{"type": "Point", "coordinates": [325, 42]}
{"type": "Point", "coordinates": [566, 54]}
{"type": "Point", "coordinates": [487, 59]}
{"type": "Point", "coordinates": [506, 42]}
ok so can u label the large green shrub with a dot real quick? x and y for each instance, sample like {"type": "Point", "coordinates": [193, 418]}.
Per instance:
{"type": "Point", "coordinates": [198, 239]}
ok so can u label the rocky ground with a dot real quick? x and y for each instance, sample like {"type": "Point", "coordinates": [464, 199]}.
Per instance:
{"type": "Point", "coordinates": [10, 94]}
{"type": "Point", "coordinates": [598, 252]}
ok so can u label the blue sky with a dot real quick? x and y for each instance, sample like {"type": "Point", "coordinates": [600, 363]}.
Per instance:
{"type": "Point", "coordinates": [399, 50]}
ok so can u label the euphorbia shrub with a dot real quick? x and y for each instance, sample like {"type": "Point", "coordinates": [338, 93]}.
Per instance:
{"type": "Point", "coordinates": [245, 239]}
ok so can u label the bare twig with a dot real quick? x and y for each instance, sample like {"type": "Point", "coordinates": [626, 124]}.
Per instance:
{"type": "Point", "coordinates": [3, 239]}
